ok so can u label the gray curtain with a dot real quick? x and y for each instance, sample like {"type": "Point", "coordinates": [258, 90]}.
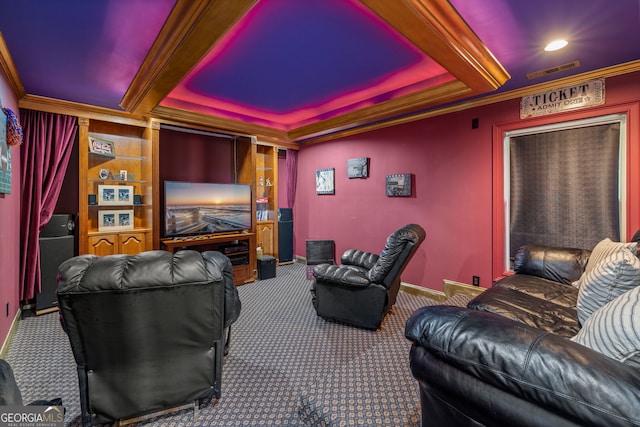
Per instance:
{"type": "Point", "coordinates": [564, 187]}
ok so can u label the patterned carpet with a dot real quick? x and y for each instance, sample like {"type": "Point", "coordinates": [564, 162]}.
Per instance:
{"type": "Point", "coordinates": [286, 366]}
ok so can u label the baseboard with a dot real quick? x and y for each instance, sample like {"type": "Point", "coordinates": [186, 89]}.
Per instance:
{"type": "Point", "coordinates": [12, 332]}
{"type": "Point", "coordinates": [451, 287]}
{"type": "Point", "coordinates": [423, 292]}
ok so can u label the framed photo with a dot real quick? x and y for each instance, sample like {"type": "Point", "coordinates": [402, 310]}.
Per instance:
{"type": "Point", "coordinates": [101, 147]}
{"type": "Point", "coordinates": [115, 195]}
{"type": "Point", "coordinates": [399, 185]}
{"type": "Point", "coordinates": [115, 220]}
{"type": "Point", "coordinates": [358, 168]}
{"type": "Point", "coordinates": [325, 183]}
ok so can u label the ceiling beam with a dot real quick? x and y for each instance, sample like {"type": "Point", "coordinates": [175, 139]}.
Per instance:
{"type": "Point", "coordinates": [437, 29]}
{"type": "Point", "coordinates": [192, 28]}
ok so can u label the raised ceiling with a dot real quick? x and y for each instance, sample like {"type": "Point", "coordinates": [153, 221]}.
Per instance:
{"type": "Point", "coordinates": [301, 70]}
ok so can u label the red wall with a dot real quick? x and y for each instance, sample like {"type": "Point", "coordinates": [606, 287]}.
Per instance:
{"type": "Point", "coordinates": [9, 227]}
{"type": "Point", "coordinates": [453, 167]}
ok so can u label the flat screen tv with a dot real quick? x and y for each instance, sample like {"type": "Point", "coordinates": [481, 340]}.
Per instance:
{"type": "Point", "coordinates": [197, 208]}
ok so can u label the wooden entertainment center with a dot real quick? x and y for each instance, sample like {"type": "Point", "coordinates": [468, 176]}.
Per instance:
{"type": "Point", "coordinates": [238, 247]}
{"type": "Point", "coordinates": [121, 155]}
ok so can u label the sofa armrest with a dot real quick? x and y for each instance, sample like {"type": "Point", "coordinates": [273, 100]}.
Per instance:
{"type": "Point", "coordinates": [540, 367]}
{"type": "Point", "coordinates": [564, 265]}
{"type": "Point", "coordinates": [358, 258]}
{"type": "Point", "coordinates": [343, 275]}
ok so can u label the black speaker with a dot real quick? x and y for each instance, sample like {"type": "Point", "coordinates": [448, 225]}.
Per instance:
{"type": "Point", "coordinates": [57, 244]}
{"type": "Point", "coordinates": [285, 234]}
{"type": "Point", "coordinates": [266, 267]}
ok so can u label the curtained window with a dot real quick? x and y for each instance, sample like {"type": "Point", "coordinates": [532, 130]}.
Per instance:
{"type": "Point", "coordinates": [566, 184]}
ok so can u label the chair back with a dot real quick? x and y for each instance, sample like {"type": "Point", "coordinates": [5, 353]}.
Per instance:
{"type": "Point", "coordinates": [146, 331]}
{"type": "Point", "coordinates": [398, 251]}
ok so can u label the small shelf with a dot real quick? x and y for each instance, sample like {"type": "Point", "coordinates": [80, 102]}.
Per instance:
{"type": "Point", "coordinates": [137, 205]}
{"type": "Point", "coordinates": [106, 158]}
{"type": "Point", "coordinates": [107, 233]}
{"type": "Point", "coordinates": [117, 181]}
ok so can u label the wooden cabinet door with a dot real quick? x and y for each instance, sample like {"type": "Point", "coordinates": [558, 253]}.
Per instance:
{"type": "Point", "coordinates": [265, 237]}
{"type": "Point", "coordinates": [132, 243]}
{"type": "Point", "coordinates": [103, 245]}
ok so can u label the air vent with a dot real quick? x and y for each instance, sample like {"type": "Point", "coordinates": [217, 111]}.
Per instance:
{"type": "Point", "coordinates": [553, 70]}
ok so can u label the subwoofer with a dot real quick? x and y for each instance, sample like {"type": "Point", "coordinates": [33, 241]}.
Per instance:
{"type": "Point", "coordinates": [57, 244]}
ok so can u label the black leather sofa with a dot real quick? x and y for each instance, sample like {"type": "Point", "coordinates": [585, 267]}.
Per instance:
{"type": "Point", "coordinates": [146, 331]}
{"type": "Point", "coordinates": [507, 359]}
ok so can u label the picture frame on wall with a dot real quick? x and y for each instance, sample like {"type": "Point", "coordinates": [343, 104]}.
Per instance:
{"type": "Point", "coordinates": [115, 220]}
{"type": "Point", "coordinates": [399, 185]}
{"type": "Point", "coordinates": [358, 168]}
{"type": "Point", "coordinates": [325, 181]}
{"type": "Point", "coordinates": [115, 195]}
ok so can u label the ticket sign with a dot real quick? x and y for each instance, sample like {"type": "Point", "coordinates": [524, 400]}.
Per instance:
{"type": "Point", "coordinates": [582, 95]}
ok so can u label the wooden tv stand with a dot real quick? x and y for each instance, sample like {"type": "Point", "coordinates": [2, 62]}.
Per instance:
{"type": "Point", "coordinates": [239, 247]}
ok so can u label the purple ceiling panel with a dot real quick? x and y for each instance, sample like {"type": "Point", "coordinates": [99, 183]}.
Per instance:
{"type": "Point", "coordinates": [290, 54]}
{"type": "Point", "coordinates": [600, 33]}
{"type": "Point", "coordinates": [79, 50]}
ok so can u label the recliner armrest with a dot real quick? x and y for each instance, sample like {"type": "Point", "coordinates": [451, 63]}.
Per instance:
{"type": "Point", "coordinates": [343, 275]}
{"type": "Point", "coordinates": [358, 258]}
{"type": "Point", "coordinates": [564, 265]}
{"type": "Point", "coordinates": [540, 367]}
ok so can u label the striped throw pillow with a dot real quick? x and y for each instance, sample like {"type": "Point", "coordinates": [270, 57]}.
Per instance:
{"type": "Point", "coordinates": [614, 329]}
{"type": "Point", "coordinates": [614, 275]}
{"type": "Point", "coordinates": [605, 248]}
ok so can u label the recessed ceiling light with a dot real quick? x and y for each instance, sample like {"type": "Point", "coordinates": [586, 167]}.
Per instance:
{"type": "Point", "coordinates": [556, 45]}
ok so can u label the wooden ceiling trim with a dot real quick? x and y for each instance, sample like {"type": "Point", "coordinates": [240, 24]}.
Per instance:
{"type": "Point", "coordinates": [436, 28]}
{"type": "Point", "coordinates": [190, 31]}
{"type": "Point", "coordinates": [224, 125]}
{"type": "Point", "coordinates": [9, 67]}
{"type": "Point", "coordinates": [394, 107]}
{"type": "Point", "coordinates": [58, 106]}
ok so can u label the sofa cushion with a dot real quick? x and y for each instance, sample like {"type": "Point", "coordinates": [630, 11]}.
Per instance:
{"type": "Point", "coordinates": [616, 273]}
{"type": "Point", "coordinates": [614, 329]}
{"type": "Point", "coordinates": [529, 310]}
{"type": "Point", "coordinates": [557, 293]}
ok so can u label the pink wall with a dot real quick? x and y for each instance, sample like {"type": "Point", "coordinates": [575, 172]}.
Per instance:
{"type": "Point", "coordinates": [453, 189]}
{"type": "Point", "coordinates": [9, 227]}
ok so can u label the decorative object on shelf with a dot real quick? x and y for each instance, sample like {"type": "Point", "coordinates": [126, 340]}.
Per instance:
{"type": "Point", "coordinates": [92, 200]}
{"type": "Point", "coordinates": [14, 130]}
{"type": "Point", "coordinates": [261, 181]}
{"type": "Point", "coordinates": [325, 183]}
{"type": "Point", "coordinates": [101, 147]}
{"type": "Point", "coordinates": [115, 195]}
{"type": "Point", "coordinates": [123, 174]}
{"type": "Point", "coordinates": [5, 156]}
{"type": "Point", "coordinates": [115, 220]}
{"type": "Point", "coordinates": [358, 168]}
{"type": "Point", "coordinates": [104, 173]}
{"type": "Point", "coordinates": [399, 185]}
{"type": "Point", "coordinates": [137, 199]}
{"type": "Point", "coordinates": [268, 184]}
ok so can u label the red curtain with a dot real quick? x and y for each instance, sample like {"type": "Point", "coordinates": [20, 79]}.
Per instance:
{"type": "Point", "coordinates": [291, 161]}
{"type": "Point", "coordinates": [48, 141]}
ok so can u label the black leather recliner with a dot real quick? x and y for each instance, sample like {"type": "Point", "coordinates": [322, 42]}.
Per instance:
{"type": "Point", "coordinates": [363, 288]}
{"type": "Point", "coordinates": [146, 331]}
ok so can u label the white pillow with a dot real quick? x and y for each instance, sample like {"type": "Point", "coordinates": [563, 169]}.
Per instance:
{"type": "Point", "coordinates": [605, 248]}
{"type": "Point", "coordinates": [614, 329]}
{"type": "Point", "coordinates": [617, 273]}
